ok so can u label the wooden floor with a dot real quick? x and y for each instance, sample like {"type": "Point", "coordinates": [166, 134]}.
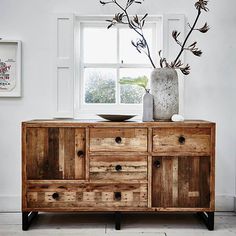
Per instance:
{"type": "Point", "coordinates": [132, 225]}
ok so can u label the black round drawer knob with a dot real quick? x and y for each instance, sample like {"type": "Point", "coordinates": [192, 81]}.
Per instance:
{"type": "Point", "coordinates": [55, 196]}
{"type": "Point", "coordinates": [157, 164]}
{"type": "Point", "coordinates": [118, 167]}
{"type": "Point", "coordinates": [117, 196]}
{"type": "Point", "coordinates": [118, 139]}
{"type": "Point", "coordinates": [80, 153]}
{"type": "Point", "coordinates": [181, 139]}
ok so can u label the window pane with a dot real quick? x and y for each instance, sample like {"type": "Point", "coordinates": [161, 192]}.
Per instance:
{"type": "Point", "coordinates": [132, 94]}
{"type": "Point", "coordinates": [100, 85]}
{"type": "Point", "coordinates": [128, 53]}
{"type": "Point", "coordinates": [99, 45]}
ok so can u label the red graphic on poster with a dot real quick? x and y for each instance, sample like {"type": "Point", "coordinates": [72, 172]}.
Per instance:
{"type": "Point", "coordinates": [7, 81]}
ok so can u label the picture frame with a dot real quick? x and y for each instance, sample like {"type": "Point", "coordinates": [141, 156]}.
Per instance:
{"type": "Point", "coordinates": [10, 68]}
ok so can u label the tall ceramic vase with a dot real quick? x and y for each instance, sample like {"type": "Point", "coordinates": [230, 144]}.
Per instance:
{"type": "Point", "coordinates": [165, 90]}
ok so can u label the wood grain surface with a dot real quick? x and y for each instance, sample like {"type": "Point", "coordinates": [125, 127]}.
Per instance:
{"type": "Point", "coordinates": [195, 141]}
{"type": "Point", "coordinates": [118, 168]}
{"type": "Point", "coordinates": [181, 182]}
{"type": "Point", "coordinates": [52, 153]}
{"type": "Point", "coordinates": [111, 166]}
{"type": "Point", "coordinates": [131, 139]}
{"type": "Point", "coordinates": [87, 195]}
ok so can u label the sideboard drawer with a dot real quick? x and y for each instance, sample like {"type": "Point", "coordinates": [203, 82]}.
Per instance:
{"type": "Point", "coordinates": [118, 139]}
{"type": "Point", "coordinates": [182, 141]}
{"type": "Point", "coordinates": [63, 196]}
{"type": "Point", "coordinates": [118, 168]}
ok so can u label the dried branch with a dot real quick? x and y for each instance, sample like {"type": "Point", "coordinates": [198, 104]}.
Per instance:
{"type": "Point", "coordinates": [204, 28]}
{"type": "Point", "coordinates": [163, 61]}
{"type": "Point", "coordinates": [194, 49]}
{"type": "Point", "coordinates": [185, 70]}
{"type": "Point", "coordinates": [200, 5]}
{"type": "Point", "coordinates": [134, 23]}
{"type": "Point", "coordinates": [175, 35]}
{"type": "Point", "coordinates": [141, 45]}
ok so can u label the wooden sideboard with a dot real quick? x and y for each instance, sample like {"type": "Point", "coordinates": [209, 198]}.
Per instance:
{"type": "Point", "coordinates": [73, 165]}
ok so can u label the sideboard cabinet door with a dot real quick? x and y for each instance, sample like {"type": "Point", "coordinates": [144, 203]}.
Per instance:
{"type": "Point", "coordinates": [55, 153]}
{"type": "Point", "coordinates": [182, 182]}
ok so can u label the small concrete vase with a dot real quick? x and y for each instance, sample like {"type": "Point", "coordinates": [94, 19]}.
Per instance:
{"type": "Point", "coordinates": [165, 90]}
{"type": "Point", "coordinates": [147, 106]}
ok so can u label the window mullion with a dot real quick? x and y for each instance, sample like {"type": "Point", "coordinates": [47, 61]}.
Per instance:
{"type": "Point", "coordinates": [114, 65]}
{"type": "Point", "coordinates": [98, 65]}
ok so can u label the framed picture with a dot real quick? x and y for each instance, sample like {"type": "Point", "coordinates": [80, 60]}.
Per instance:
{"type": "Point", "coordinates": [10, 68]}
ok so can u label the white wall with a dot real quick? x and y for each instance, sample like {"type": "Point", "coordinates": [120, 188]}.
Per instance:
{"type": "Point", "coordinates": [209, 89]}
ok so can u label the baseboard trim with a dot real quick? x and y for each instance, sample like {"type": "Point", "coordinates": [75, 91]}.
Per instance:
{"type": "Point", "coordinates": [235, 203]}
{"type": "Point", "coordinates": [225, 203]}
{"type": "Point", "coordinates": [12, 203]}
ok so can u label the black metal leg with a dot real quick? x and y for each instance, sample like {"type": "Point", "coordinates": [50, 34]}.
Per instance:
{"type": "Point", "coordinates": [27, 218]}
{"type": "Point", "coordinates": [208, 219]}
{"type": "Point", "coordinates": [117, 220]}
{"type": "Point", "coordinates": [25, 224]}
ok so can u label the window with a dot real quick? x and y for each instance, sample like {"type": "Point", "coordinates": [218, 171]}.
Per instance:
{"type": "Point", "coordinates": [104, 56]}
{"type": "Point", "coordinates": [75, 68]}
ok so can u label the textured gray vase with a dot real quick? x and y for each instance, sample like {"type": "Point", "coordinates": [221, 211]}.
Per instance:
{"type": "Point", "coordinates": [165, 90]}
{"type": "Point", "coordinates": [147, 106]}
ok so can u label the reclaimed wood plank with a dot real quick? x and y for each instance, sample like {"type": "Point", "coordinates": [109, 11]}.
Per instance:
{"type": "Point", "coordinates": [87, 145]}
{"type": "Point", "coordinates": [204, 180]}
{"type": "Point", "coordinates": [80, 159]}
{"type": "Point", "coordinates": [53, 171]}
{"type": "Point", "coordinates": [157, 179]}
{"type": "Point", "coordinates": [118, 176]}
{"type": "Point", "coordinates": [194, 184]}
{"type": "Point", "coordinates": [88, 197]}
{"type": "Point", "coordinates": [149, 169]}
{"type": "Point", "coordinates": [118, 139]}
{"type": "Point", "coordinates": [61, 153]}
{"type": "Point", "coordinates": [167, 140]}
{"type": "Point", "coordinates": [36, 154]}
{"type": "Point", "coordinates": [24, 164]}
{"type": "Point", "coordinates": [183, 181]}
{"type": "Point", "coordinates": [175, 189]}
{"type": "Point", "coordinates": [69, 153]}
{"type": "Point", "coordinates": [167, 182]}
{"type": "Point", "coordinates": [95, 208]}
{"type": "Point", "coordinates": [212, 167]}
{"type": "Point", "coordinates": [98, 123]}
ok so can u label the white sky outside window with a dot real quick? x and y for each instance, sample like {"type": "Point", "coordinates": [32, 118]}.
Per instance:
{"type": "Point", "coordinates": [128, 52]}
{"type": "Point", "coordinates": [99, 45]}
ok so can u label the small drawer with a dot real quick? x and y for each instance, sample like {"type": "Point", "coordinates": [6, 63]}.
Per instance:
{"type": "Point", "coordinates": [182, 141]}
{"type": "Point", "coordinates": [118, 168]}
{"type": "Point", "coordinates": [118, 139]}
{"type": "Point", "coordinates": [66, 196]}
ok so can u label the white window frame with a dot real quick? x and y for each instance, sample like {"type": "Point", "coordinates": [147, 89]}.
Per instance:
{"type": "Point", "coordinates": [85, 110]}
{"type": "Point", "coordinates": [66, 89]}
